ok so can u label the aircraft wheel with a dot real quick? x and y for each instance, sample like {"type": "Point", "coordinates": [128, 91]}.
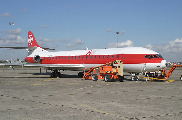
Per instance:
{"type": "Point", "coordinates": [136, 78]}
{"type": "Point", "coordinates": [80, 74]}
{"type": "Point", "coordinates": [94, 77]}
{"type": "Point", "coordinates": [107, 78]}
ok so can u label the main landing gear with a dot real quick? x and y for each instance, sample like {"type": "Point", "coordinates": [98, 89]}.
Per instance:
{"type": "Point", "coordinates": [80, 74]}
{"type": "Point", "coordinates": [55, 73]}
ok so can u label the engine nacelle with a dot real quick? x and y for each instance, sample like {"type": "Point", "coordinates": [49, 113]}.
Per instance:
{"type": "Point", "coordinates": [36, 58]}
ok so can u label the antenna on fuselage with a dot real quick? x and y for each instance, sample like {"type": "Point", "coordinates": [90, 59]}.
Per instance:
{"type": "Point", "coordinates": [87, 48]}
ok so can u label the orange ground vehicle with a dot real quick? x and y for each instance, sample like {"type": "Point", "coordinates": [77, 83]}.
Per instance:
{"type": "Point", "coordinates": [163, 74]}
{"type": "Point", "coordinates": [108, 72]}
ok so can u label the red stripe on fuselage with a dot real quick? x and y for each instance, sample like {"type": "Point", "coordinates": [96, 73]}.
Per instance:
{"type": "Point", "coordinates": [95, 59]}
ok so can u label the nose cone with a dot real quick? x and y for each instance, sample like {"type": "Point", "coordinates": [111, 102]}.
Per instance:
{"type": "Point", "coordinates": [163, 64]}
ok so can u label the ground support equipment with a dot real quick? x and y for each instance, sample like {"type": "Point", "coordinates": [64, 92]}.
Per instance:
{"type": "Point", "coordinates": [108, 72]}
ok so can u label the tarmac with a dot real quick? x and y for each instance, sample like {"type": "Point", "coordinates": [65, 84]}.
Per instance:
{"type": "Point", "coordinates": [28, 94]}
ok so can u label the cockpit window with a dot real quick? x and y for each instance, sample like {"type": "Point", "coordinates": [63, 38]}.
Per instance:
{"type": "Point", "coordinates": [160, 56]}
{"type": "Point", "coordinates": [156, 56]}
{"type": "Point", "coordinates": [153, 56]}
{"type": "Point", "coordinates": [147, 56]}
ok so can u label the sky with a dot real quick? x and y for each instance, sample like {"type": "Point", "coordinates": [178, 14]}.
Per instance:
{"type": "Point", "coordinates": [77, 24]}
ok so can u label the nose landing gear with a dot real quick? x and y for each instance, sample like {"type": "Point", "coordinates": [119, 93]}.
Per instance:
{"type": "Point", "coordinates": [55, 74]}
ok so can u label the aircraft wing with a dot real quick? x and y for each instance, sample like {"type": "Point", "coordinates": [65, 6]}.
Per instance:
{"type": "Point", "coordinates": [12, 64]}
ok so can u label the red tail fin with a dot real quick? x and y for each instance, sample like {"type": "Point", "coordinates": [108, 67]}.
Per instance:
{"type": "Point", "coordinates": [31, 40]}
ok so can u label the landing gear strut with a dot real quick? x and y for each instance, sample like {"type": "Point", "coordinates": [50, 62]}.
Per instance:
{"type": "Point", "coordinates": [55, 74]}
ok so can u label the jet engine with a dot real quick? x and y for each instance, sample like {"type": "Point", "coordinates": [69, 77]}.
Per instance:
{"type": "Point", "coordinates": [36, 58]}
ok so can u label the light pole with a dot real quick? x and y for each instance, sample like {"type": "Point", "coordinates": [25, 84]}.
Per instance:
{"type": "Point", "coordinates": [117, 38]}
{"type": "Point", "coordinates": [11, 23]}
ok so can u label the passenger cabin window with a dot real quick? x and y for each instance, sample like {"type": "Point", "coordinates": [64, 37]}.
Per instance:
{"type": "Point", "coordinates": [90, 57]}
{"type": "Point", "coordinates": [108, 56]}
{"type": "Point", "coordinates": [95, 57]}
{"type": "Point", "coordinates": [72, 57]}
{"type": "Point", "coordinates": [99, 57]}
{"type": "Point", "coordinates": [117, 56]}
{"type": "Point", "coordinates": [86, 57]}
{"type": "Point", "coordinates": [103, 56]}
{"type": "Point", "coordinates": [112, 56]}
{"type": "Point", "coordinates": [79, 57]}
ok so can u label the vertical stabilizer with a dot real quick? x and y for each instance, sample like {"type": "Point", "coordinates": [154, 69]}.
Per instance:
{"type": "Point", "coordinates": [31, 40]}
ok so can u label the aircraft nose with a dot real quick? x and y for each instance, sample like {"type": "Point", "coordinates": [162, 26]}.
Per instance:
{"type": "Point", "coordinates": [163, 63]}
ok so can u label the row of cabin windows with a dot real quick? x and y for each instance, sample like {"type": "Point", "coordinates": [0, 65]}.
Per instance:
{"type": "Point", "coordinates": [79, 57]}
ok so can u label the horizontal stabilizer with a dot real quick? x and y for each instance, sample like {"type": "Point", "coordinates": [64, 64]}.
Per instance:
{"type": "Point", "coordinates": [26, 48]}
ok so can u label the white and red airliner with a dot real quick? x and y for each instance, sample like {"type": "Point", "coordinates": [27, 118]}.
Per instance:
{"type": "Point", "coordinates": [135, 59]}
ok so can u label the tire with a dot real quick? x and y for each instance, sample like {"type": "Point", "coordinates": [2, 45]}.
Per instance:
{"type": "Point", "coordinates": [94, 77]}
{"type": "Point", "coordinates": [80, 74]}
{"type": "Point", "coordinates": [107, 78]}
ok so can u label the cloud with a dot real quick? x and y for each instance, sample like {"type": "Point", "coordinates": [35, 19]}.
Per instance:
{"type": "Point", "coordinates": [17, 31]}
{"type": "Point", "coordinates": [109, 30]}
{"type": "Point", "coordinates": [45, 26]}
{"type": "Point", "coordinates": [77, 42]}
{"type": "Point", "coordinates": [6, 15]}
{"type": "Point", "coordinates": [14, 39]}
{"type": "Point", "coordinates": [24, 10]}
{"type": "Point", "coordinates": [149, 46]}
{"type": "Point", "coordinates": [128, 43]}
{"type": "Point", "coordinates": [171, 51]}
{"type": "Point", "coordinates": [69, 45]}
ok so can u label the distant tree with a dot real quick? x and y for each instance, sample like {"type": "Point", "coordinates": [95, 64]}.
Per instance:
{"type": "Point", "coordinates": [17, 59]}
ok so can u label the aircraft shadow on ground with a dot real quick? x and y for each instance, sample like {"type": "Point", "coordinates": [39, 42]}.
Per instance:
{"type": "Point", "coordinates": [47, 75]}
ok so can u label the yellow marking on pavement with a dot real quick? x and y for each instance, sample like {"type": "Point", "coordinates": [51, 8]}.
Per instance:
{"type": "Point", "coordinates": [7, 83]}
{"type": "Point", "coordinates": [72, 83]}
{"type": "Point", "coordinates": [107, 84]}
{"type": "Point", "coordinates": [37, 84]}
{"type": "Point", "coordinates": [44, 80]}
{"type": "Point", "coordinates": [72, 93]}
{"type": "Point", "coordinates": [91, 86]}
{"type": "Point", "coordinates": [97, 85]}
